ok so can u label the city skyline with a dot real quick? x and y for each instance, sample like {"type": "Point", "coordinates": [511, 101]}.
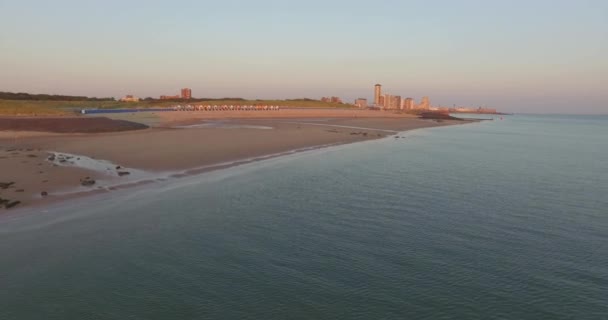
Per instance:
{"type": "Point", "coordinates": [545, 57]}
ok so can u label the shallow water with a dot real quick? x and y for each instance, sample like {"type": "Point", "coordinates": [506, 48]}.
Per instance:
{"type": "Point", "coordinates": [496, 220]}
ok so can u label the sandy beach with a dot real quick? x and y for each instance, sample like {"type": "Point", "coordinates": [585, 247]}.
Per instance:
{"type": "Point", "coordinates": [40, 167]}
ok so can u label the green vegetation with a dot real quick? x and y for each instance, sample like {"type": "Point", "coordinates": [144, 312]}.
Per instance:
{"type": "Point", "coordinates": [24, 107]}
{"type": "Point", "coordinates": [294, 103]}
{"type": "Point", "coordinates": [47, 97]}
{"type": "Point", "coordinates": [45, 108]}
{"type": "Point", "coordinates": [57, 108]}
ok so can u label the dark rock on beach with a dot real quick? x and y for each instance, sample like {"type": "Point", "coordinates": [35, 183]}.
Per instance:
{"type": "Point", "coordinates": [87, 182]}
{"type": "Point", "coordinates": [6, 185]}
{"type": "Point", "coordinates": [12, 204]}
{"type": "Point", "coordinates": [7, 204]}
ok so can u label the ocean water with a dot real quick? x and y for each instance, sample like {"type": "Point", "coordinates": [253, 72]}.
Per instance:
{"type": "Point", "coordinates": [505, 219]}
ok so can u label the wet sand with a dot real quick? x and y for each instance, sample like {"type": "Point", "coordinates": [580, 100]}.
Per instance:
{"type": "Point", "coordinates": [171, 149]}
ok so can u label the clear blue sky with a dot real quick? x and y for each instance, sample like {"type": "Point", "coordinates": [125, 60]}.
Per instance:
{"type": "Point", "coordinates": [533, 55]}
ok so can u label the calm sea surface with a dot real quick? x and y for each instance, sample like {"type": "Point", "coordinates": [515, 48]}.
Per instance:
{"type": "Point", "coordinates": [505, 219]}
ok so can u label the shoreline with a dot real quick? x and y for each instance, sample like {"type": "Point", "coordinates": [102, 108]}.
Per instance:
{"type": "Point", "coordinates": [79, 200]}
{"type": "Point", "coordinates": [166, 178]}
{"type": "Point", "coordinates": [165, 153]}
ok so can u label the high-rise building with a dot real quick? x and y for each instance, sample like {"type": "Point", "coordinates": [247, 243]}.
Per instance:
{"type": "Point", "coordinates": [386, 101]}
{"type": "Point", "coordinates": [361, 103]}
{"type": "Point", "coordinates": [391, 102]}
{"type": "Point", "coordinates": [186, 93]}
{"type": "Point", "coordinates": [425, 104]}
{"type": "Point", "coordinates": [409, 104]}
{"type": "Point", "coordinates": [395, 102]}
{"type": "Point", "coordinates": [377, 94]}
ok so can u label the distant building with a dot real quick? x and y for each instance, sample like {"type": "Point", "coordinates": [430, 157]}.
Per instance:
{"type": "Point", "coordinates": [378, 95]}
{"type": "Point", "coordinates": [169, 97]}
{"type": "Point", "coordinates": [395, 102]}
{"type": "Point", "coordinates": [409, 104]}
{"type": "Point", "coordinates": [391, 102]}
{"type": "Point", "coordinates": [129, 98]}
{"type": "Point", "coordinates": [186, 93]}
{"type": "Point", "coordinates": [380, 102]}
{"type": "Point", "coordinates": [361, 103]}
{"type": "Point", "coordinates": [331, 99]}
{"type": "Point", "coordinates": [425, 104]}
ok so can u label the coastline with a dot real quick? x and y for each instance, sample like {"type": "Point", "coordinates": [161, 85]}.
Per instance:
{"type": "Point", "coordinates": [166, 151]}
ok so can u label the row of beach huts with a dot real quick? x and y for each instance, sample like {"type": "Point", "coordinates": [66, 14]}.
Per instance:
{"type": "Point", "coordinates": [224, 107]}
{"type": "Point", "coordinates": [187, 107]}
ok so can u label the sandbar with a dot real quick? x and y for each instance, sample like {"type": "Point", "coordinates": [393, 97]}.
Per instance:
{"type": "Point", "coordinates": [174, 143]}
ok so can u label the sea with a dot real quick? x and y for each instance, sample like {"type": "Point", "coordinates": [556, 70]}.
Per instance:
{"type": "Point", "coordinates": [501, 219]}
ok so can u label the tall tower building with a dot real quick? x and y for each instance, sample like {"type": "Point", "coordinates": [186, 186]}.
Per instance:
{"type": "Point", "coordinates": [395, 102]}
{"type": "Point", "coordinates": [186, 93]}
{"type": "Point", "coordinates": [426, 103]}
{"type": "Point", "coordinates": [377, 94]}
{"type": "Point", "coordinates": [409, 104]}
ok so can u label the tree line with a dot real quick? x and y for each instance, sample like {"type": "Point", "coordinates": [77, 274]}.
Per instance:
{"type": "Point", "coordinates": [48, 97]}
{"type": "Point", "coordinates": [55, 97]}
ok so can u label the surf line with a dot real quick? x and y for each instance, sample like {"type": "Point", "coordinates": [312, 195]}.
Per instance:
{"type": "Point", "coordinates": [347, 127]}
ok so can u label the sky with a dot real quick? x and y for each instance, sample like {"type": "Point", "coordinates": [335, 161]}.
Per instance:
{"type": "Point", "coordinates": [536, 56]}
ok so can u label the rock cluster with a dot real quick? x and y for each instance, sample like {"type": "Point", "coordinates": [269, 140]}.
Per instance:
{"type": "Point", "coordinates": [7, 204]}
{"type": "Point", "coordinates": [6, 185]}
{"type": "Point", "coordinates": [87, 181]}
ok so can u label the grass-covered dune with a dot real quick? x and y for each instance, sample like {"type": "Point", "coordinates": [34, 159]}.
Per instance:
{"type": "Point", "coordinates": [61, 108]}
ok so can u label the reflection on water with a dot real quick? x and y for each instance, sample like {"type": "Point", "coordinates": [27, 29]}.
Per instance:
{"type": "Point", "coordinates": [456, 223]}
